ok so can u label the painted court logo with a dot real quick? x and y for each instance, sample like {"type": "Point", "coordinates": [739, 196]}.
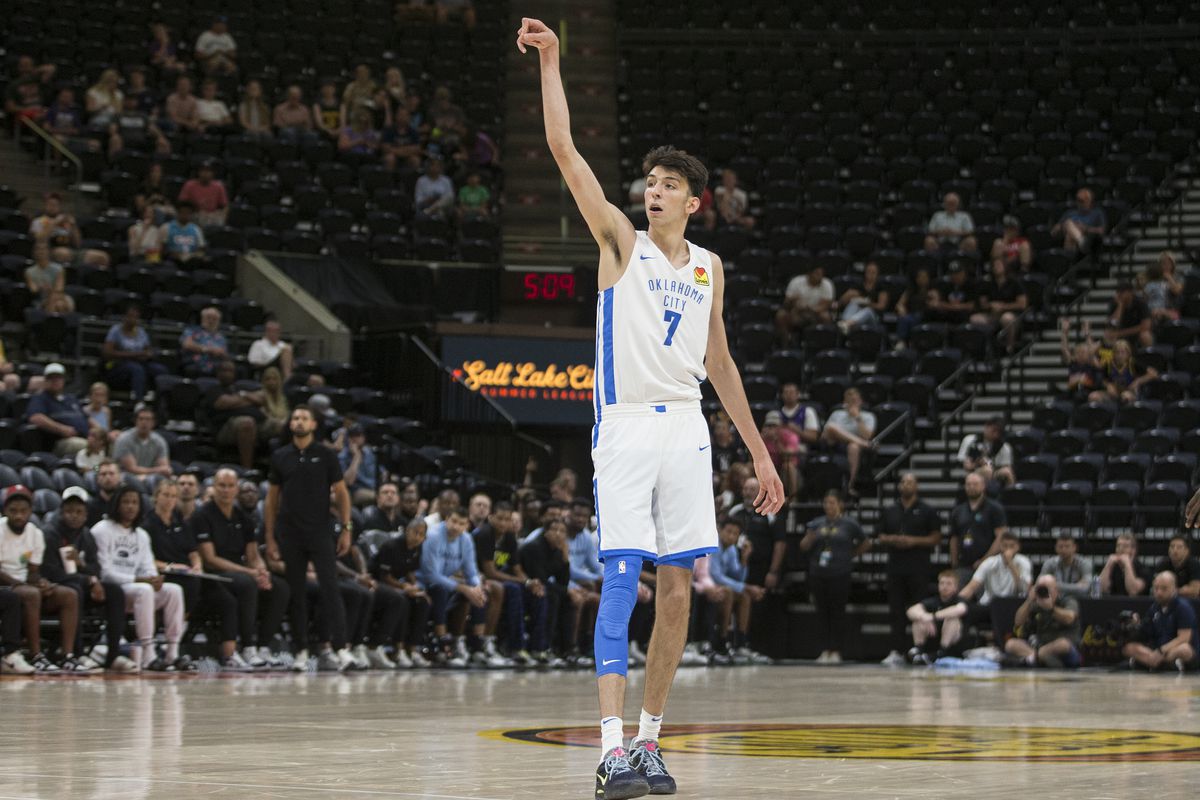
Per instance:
{"type": "Point", "coordinates": [701, 276]}
{"type": "Point", "coordinates": [900, 742]}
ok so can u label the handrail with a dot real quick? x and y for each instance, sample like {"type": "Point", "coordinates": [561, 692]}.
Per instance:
{"type": "Point", "coordinates": [437, 362]}
{"type": "Point", "coordinates": [54, 144]}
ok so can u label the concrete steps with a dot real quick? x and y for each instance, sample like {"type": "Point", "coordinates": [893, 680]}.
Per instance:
{"type": "Point", "coordinates": [540, 218]}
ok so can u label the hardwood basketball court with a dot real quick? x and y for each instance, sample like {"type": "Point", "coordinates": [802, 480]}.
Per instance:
{"type": "Point", "coordinates": [749, 732]}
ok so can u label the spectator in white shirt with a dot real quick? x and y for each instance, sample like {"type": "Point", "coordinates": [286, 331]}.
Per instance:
{"type": "Point", "coordinates": [1006, 574]}
{"type": "Point", "coordinates": [271, 350]}
{"type": "Point", "coordinates": [951, 227]}
{"type": "Point", "coordinates": [806, 301]}
{"type": "Point", "coordinates": [216, 50]}
{"type": "Point", "coordinates": [126, 557]}
{"type": "Point", "coordinates": [211, 111]}
{"type": "Point", "coordinates": [731, 201]}
{"type": "Point", "coordinates": [988, 454]}
{"type": "Point", "coordinates": [851, 427]}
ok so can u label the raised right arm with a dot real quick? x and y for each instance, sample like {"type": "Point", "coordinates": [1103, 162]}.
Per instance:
{"type": "Point", "coordinates": [609, 226]}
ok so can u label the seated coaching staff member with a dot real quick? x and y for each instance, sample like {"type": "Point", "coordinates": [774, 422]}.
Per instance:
{"type": "Point", "coordinates": [298, 527]}
{"type": "Point", "coordinates": [225, 539]}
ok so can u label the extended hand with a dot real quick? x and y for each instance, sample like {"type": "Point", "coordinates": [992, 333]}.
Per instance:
{"type": "Point", "coordinates": [534, 33]}
{"type": "Point", "coordinates": [1192, 514]}
{"type": "Point", "coordinates": [770, 489]}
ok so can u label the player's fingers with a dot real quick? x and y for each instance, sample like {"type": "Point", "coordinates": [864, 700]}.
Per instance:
{"type": "Point", "coordinates": [758, 499]}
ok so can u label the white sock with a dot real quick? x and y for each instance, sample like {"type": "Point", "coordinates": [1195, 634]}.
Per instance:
{"type": "Point", "coordinates": [172, 651]}
{"type": "Point", "coordinates": [648, 727]}
{"type": "Point", "coordinates": [611, 733]}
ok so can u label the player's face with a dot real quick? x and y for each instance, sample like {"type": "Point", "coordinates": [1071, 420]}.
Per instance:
{"type": "Point", "coordinates": [667, 197]}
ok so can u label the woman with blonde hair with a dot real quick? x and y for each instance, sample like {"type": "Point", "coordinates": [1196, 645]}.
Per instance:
{"type": "Point", "coordinates": [105, 100]}
{"type": "Point", "coordinates": [275, 405]}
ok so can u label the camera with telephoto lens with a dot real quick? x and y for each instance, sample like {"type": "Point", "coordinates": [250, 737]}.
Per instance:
{"type": "Point", "coordinates": [1042, 591]}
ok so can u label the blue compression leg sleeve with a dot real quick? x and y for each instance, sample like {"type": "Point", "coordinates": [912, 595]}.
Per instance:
{"type": "Point", "coordinates": [617, 599]}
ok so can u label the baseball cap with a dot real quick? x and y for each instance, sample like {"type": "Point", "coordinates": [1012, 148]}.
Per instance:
{"type": "Point", "coordinates": [1010, 221]}
{"type": "Point", "coordinates": [75, 493]}
{"type": "Point", "coordinates": [17, 490]}
{"type": "Point", "coordinates": [773, 418]}
{"type": "Point", "coordinates": [54, 369]}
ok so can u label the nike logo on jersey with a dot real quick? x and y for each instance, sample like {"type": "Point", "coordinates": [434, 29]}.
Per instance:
{"type": "Point", "coordinates": [609, 661]}
{"type": "Point", "coordinates": [702, 449]}
{"type": "Point", "coordinates": [645, 258]}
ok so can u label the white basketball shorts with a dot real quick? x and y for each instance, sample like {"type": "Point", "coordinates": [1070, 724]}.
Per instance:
{"type": "Point", "coordinates": [653, 481]}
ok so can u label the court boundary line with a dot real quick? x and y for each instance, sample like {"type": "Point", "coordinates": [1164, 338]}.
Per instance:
{"type": "Point", "coordinates": [221, 784]}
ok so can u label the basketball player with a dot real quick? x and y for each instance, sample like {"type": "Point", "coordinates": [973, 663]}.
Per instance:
{"type": "Point", "coordinates": [658, 330]}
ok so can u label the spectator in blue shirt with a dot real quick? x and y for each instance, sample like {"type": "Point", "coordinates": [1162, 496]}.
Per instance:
{"type": "Point", "coordinates": [57, 414]}
{"type": "Point", "coordinates": [1082, 226]}
{"type": "Point", "coordinates": [128, 357]}
{"type": "Point", "coordinates": [358, 465]}
{"type": "Point", "coordinates": [184, 241]}
{"type": "Point", "coordinates": [450, 576]}
{"type": "Point", "coordinates": [728, 569]}
{"type": "Point", "coordinates": [586, 570]}
{"type": "Point", "coordinates": [204, 347]}
{"type": "Point", "coordinates": [1168, 633]}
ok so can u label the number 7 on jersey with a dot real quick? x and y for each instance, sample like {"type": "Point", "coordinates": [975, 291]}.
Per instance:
{"type": "Point", "coordinates": [672, 319]}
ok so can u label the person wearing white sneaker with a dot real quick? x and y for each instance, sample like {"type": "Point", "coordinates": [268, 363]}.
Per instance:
{"type": "Point", "coordinates": [832, 542]}
{"type": "Point", "coordinates": [511, 591]}
{"type": "Point", "coordinates": [13, 662]}
{"type": "Point", "coordinates": [70, 560]}
{"type": "Point", "coordinates": [125, 555]}
{"type": "Point", "coordinates": [447, 553]}
{"type": "Point", "coordinates": [394, 567]}
{"type": "Point", "coordinates": [297, 529]}
{"type": "Point", "coordinates": [728, 569]}
{"type": "Point", "coordinates": [22, 547]}
{"type": "Point", "coordinates": [177, 556]}
{"type": "Point", "coordinates": [377, 657]}
{"type": "Point", "coordinates": [300, 661]}
{"type": "Point", "coordinates": [225, 540]}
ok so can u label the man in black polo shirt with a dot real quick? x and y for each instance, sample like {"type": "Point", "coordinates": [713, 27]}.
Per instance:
{"type": "Point", "coordinates": [909, 530]}
{"type": "Point", "coordinates": [396, 565]}
{"type": "Point", "coordinates": [225, 537]}
{"type": "Point", "coordinates": [768, 542]}
{"type": "Point", "coordinates": [386, 515]}
{"type": "Point", "coordinates": [975, 528]}
{"type": "Point", "coordinates": [299, 529]}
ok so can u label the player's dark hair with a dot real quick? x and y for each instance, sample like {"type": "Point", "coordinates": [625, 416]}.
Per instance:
{"type": "Point", "coordinates": [458, 511]}
{"type": "Point", "coordinates": [678, 161]}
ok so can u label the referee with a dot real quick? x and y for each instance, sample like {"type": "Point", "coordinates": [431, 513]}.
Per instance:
{"type": "Point", "coordinates": [298, 527]}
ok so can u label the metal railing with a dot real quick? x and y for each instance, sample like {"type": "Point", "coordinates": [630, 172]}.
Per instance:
{"type": "Point", "coordinates": [51, 144]}
{"type": "Point", "coordinates": [472, 419]}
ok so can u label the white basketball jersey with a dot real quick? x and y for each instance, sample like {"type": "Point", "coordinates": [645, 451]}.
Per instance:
{"type": "Point", "coordinates": [652, 329]}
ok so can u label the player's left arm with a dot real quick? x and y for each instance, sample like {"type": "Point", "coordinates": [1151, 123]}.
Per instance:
{"type": "Point", "coordinates": [726, 379]}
